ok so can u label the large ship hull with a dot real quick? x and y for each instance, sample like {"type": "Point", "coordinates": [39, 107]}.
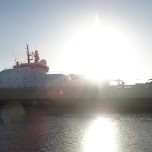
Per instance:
{"type": "Point", "coordinates": [50, 95]}
{"type": "Point", "coordinates": [125, 97]}
{"type": "Point", "coordinates": [133, 97]}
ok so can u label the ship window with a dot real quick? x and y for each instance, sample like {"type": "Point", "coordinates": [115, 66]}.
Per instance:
{"type": "Point", "coordinates": [45, 77]}
{"type": "Point", "coordinates": [17, 78]}
{"type": "Point", "coordinates": [35, 85]}
{"type": "Point", "coordinates": [32, 67]}
{"type": "Point", "coordinates": [24, 78]}
{"type": "Point", "coordinates": [8, 71]}
{"type": "Point", "coordinates": [18, 85]}
{"type": "Point", "coordinates": [10, 86]}
{"type": "Point", "coordinates": [17, 71]}
{"type": "Point", "coordinates": [35, 78]}
{"type": "Point", "coordinates": [24, 85]}
{"type": "Point", "coordinates": [26, 70]}
{"type": "Point", "coordinates": [8, 79]}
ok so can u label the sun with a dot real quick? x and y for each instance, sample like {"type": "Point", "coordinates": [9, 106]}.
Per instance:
{"type": "Point", "coordinates": [102, 51]}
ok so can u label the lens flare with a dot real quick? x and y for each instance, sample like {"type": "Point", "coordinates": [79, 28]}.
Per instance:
{"type": "Point", "coordinates": [61, 92]}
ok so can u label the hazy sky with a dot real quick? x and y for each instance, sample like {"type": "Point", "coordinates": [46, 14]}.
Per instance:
{"type": "Point", "coordinates": [52, 25]}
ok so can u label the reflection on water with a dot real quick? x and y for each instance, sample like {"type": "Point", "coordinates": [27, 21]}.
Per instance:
{"type": "Point", "coordinates": [101, 136]}
{"type": "Point", "coordinates": [55, 130]}
{"type": "Point", "coordinates": [11, 112]}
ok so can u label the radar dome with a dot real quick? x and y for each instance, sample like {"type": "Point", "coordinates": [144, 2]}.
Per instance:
{"type": "Point", "coordinates": [43, 61]}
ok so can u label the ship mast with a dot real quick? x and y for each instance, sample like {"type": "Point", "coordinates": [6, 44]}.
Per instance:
{"type": "Point", "coordinates": [28, 54]}
{"type": "Point", "coordinates": [36, 55]}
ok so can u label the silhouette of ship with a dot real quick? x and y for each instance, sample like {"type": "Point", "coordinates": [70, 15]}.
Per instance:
{"type": "Point", "coordinates": [138, 95]}
{"type": "Point", "coordinates": [30, 81]}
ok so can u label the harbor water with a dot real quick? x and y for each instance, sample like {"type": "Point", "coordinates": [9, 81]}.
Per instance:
{"type": "Point", "coordinates": [41, 129]}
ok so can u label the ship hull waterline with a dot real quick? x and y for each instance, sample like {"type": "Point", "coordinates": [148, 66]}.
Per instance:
{"type": "Point", "coordinates": [61, 97]}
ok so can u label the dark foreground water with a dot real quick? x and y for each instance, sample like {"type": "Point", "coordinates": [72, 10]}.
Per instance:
{"type": "Point", "coordinates": [40, 129]}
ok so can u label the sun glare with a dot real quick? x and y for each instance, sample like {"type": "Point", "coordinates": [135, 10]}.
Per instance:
{"type": "Point", "coordinates": [102, 51]}
{"type": "Point", "coordinates": [101, 136]}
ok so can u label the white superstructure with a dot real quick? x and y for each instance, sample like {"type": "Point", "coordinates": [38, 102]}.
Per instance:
{"type": "Point", "coordinates": [32, 74]}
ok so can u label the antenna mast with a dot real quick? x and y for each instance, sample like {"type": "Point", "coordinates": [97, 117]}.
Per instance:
{"type": "Point", "coordinates": [28, 54]}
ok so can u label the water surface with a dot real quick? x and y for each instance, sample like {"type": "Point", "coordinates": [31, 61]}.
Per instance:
{"type": "Point", "coordinates": [39, 130]}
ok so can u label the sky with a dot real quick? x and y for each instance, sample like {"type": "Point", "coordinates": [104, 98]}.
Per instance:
{"type": "Point", "coordinates": [105, 38]}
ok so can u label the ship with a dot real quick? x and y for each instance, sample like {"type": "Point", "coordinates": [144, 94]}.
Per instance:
{"type": "Point", "coordinates": [32, 82]}
{"type": "Point", "coordinates": [120, 95]}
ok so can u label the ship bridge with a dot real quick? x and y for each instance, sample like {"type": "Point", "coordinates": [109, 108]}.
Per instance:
{"type": "Point", "coordinates": [38, 65]}
{"type": "Point", "coordinates": [41, 65]}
